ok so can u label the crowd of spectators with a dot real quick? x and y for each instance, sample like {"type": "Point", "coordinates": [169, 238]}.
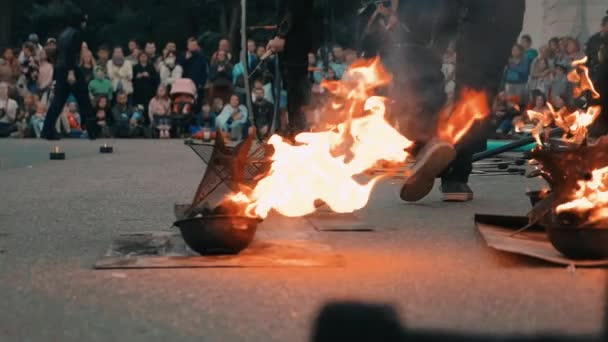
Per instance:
{"type": "Point", "coordinates": [133, 91]}
{"type": "Point", "coordinates": [537, 79]}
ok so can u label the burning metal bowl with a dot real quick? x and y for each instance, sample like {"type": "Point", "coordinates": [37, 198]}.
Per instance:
{"type": "Point", "coordinates": [578, 243]}
{"type": "Point", "coordinates": [218, 234]}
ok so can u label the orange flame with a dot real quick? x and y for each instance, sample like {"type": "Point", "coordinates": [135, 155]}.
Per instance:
{"type": "Point", "coordinates": [473, 106]}
{"type": "Point", "coordinates": [575, 124]}
{"type": "Point", "coordinates": [579, 76]}
{"type": "Point", "coordinates": [330, 166]}
{"type": "Point", "coordinates": [591, 197]}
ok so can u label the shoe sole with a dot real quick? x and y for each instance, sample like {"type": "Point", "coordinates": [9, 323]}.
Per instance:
{"type": "Point", "coordinates": [457, 197]}
{"type": "Point", "coordinates": [432, 160]}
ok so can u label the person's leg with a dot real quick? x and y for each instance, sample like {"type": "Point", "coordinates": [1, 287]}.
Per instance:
{"type": "Point", "coordinates": [298, 96]}
{"type": "Point", "coordinates": [86, 109]}
{"type": "Point", "coordinates": [62, 92]}
{"type": "Point", "coordinates": [482, 53]}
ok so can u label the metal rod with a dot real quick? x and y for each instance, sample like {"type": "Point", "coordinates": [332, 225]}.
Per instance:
{"type": "Point", "coordinates": [245, 60]}
{"type": "Point", "coordinates": [512, 146]}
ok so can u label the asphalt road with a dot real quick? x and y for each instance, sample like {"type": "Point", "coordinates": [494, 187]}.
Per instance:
{"type": "Point", "coordinates": [57, 218]}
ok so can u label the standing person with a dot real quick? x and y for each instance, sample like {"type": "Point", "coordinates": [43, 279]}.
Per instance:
{"type": "Point", "coordinates": [45, 77]}
{"type": "Point", "coordinates": [127, 120]}
{"type": "Point", "coordinates": [481, 54]}
{"type": "Point", "coordinates": [263, 113]}
{"type": "Point", "coordinates": [560, 86]}
{"type": "Point", "coordinates": [159, 110]}
{"type": "Point", "coordinates": [28, 83]}
{"type": "Point", "coordinates": [541, 75]}
{"type": "Point", "coordinates": [8, 111]}
{"type": "Point", "coordinates": [133, 52]}
{"type": "Point", "coordinates": [517, 73]}
{"type": "Point", "coordinates": [170, 71]}
{"type": "Point", "coordinates": [233, 118]}
{"type": "Point", "coordinates": [150, 50]}
{"type": "Point", "coordinates": [120, 72]}
{"type": "Point", "coordinates": [294, 40]}
{"type": "Point", "coordinates": [37, 120]}
{"type": "Point", "coordinates": [195, 66]}
{"type": "Point", "coordinates": [145, 83]}
{"type": "Point", "coordinates": [103, 115]}
{"type": "Point", "coordinates": [100, 85]}
{"type": "Point", "coordinates": [529, 52]}
{"type": "Point", "coordinates": [13, 69]}
{"type": "Point", "coordinates": [223, 45]}
{"type": "Point", "coordinates": [103, 56]}
{"type": "Point", "coordinates": [69, 79]}
{"type": "Point", "coordinates": [87, 65]}
{"type": "Point", "coordinates": [220, 75]}
{"type": "Point", "coordinates": [573, 52]}
{"type": "Point", "coordinates": [593, 47]}
{"type": "Point", "coordinates": [252, 57]}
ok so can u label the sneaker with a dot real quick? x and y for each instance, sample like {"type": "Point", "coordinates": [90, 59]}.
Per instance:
{"type": "Point", "coordinates": [432, 160]}
{"type": "Point", "coordinates": [456, 192]}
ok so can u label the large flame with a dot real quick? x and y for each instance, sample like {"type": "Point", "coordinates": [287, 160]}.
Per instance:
{"type": "Point", "coordinates": [330, 165]}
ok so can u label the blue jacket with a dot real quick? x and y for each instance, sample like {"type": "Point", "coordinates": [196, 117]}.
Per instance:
{"type": "Point", "coordinates": [519, 72]}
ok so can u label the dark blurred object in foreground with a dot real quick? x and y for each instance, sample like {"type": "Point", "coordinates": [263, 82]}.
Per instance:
{"type": "Point", "coordinates": [356, 322]}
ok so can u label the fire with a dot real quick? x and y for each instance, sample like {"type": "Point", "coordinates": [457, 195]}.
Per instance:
{"type": "Point", "coordinates": [575, 124]}
{"type": "Point", "coordinates": [473, 106]}
{"type": "Point", "coordinates": [591, 197]}
{"type": "Point", "coordinates": [579, 76]}
{"type": "Point", "coordinates": [330, 165]}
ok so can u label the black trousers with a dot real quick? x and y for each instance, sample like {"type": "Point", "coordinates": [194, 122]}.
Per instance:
{"type": "Point", "coordinates": [484, 32]}
{"type": "Point", "coordinates": [62, 91]}
{"type": "Point", "coordinates": [298, 96]}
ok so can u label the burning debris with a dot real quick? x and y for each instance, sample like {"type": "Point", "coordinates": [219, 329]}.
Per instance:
{"type": "Point", "coordinates": [578, 173]}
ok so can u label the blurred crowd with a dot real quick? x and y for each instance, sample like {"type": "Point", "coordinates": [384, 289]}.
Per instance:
{"type": "Point", "coordinates": [141, 92]}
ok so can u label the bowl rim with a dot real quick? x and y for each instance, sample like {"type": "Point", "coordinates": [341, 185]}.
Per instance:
{"type": "Point", "coordinates": [257, 219]}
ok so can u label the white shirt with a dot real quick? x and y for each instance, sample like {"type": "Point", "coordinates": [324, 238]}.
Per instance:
{"type": "Point", "coordinates": [11, 108]}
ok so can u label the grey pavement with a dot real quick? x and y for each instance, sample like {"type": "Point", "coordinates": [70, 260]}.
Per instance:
{"type": "Point", "coordinates": [58, 217]}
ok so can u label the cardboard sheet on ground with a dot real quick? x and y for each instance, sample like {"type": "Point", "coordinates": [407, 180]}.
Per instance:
{"type": "Point", "coordinates": [168, 250]}
{"type": "Point", "coordinates": [498, 232]}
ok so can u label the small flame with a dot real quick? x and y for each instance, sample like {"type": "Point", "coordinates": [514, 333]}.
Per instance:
{"type": "Point", "coordinates": [472, 107]}
{"type": "Point", "coordinates": [579, 75]}
{"type": "Point", "coordinates": [590, 198]}
{"type": "Point", "coordinates": [575, 124]}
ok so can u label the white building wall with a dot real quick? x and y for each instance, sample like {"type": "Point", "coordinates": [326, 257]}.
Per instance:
{"type": "Point", "coordinates": [549, 18]}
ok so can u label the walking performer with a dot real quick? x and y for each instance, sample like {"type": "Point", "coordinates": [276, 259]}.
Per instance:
{"type": "Point", "coordinates": [69, 78]}
{"type": "Point", "coordinates": [484, 33]}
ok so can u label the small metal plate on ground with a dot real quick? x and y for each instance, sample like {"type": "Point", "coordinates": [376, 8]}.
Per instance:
{"type": "Point", "coordinates": [499, 232]}
{"type": "Point", "coordinates": [168, 250]}
{"type": "Point", "coordinates": [327, 221]}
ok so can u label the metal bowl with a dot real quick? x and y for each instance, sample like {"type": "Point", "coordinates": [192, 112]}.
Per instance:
{"type": "Point", "coordinates": [219, 234]}
{"type": "Point", "coordinates": [579, 243]}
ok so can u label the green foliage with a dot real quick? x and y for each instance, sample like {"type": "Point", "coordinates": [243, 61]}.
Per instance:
{"type": "Point", "coordinates": [117, 21]}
